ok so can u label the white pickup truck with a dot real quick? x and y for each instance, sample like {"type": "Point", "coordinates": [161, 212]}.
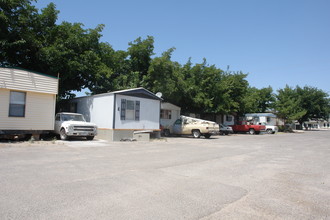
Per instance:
{"type": "Point", "coordinates": [271, 129]}
{"type": "Point", "coordinates": [192, 126]}
{"type": "Point", "coordinates": [74, 125]}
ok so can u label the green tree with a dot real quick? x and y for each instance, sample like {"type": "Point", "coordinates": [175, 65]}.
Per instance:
{"type": "Point", "coordinates": [251, 100]}
{"type": "Point", "coordinates": [125, 69]}
{"type": "Point", "coordinates": [266, 100]}
{"type": "Point", "coordinates": [288, 104]}
{"type": "Point", "coordinates": [140, 52]}
{"type": "Point", "coordinates": [234, 87]}
{"type": "Point", "coordinates": [117, 72]}
{"type": "Point", "coordinates": [259, 100]}
{"type": "Point", "coordinates": [302, 104]}
{"type": "Point", "coordinates": [163, 76]}
{"type": "Point", "coordinates": [199, 88]}
{"type": "Point", "coordinates": [74, 53]}
{"type": "Point", "coordinates": [200, 96]}
{"type": "Point", "coordinates": [314, 101]}
{"type": "Point", "coordinates": [24, 31]}
{"type": "Point", "coordinates": [34, 41]}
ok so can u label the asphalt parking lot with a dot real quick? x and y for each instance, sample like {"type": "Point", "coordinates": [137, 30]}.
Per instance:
{"type": "Point", "coordinates": [281, 176]}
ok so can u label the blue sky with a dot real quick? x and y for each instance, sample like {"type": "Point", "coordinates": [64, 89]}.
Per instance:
{"type": "Point", "coordinates": [277, 42]}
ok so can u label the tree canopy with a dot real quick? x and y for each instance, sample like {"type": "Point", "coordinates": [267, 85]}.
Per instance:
{"type": "Point", "coordinates": [259, 100]}
{"type": "Point", "coordinates": [302, 104]}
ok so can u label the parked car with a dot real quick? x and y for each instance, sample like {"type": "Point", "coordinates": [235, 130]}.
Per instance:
{"type": "Point", "coordinates": [74, 125]}
{"type": "Point", "coordinates": [225, 130]}
{"type": "Point", "coordinates": [192, 126]}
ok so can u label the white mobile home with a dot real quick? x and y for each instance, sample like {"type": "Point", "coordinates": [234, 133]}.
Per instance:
{"type": "Point", "coordinates": [27, 102]}
{"type": "Point", "coordinates": [316, 124]}
{"type": "Point", "coordinates": [120, 114]}
{"type": "Point", "coordinates": [228, 120]}
{"type": "Point", "coordinates": [169, 113]}
{"type": "Point", "coordinates": [264, 118]}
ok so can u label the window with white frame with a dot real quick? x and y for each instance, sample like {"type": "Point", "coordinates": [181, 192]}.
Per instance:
{"type": "Point", "coordinates": [229, 118]}
{"type": "Point", "coordinates": [17, 104]}
{"type": "Point", "coordinates": [130, 110]}
{"type": "Point", "coordinates": [165, 114]}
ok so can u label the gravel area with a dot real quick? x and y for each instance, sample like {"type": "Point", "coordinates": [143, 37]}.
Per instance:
{"type": "Point", "coordinates": [281, 176]}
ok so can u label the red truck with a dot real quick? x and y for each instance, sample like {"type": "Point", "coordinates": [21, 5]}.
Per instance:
{"type": "Point", "coordinates": [251, 128]}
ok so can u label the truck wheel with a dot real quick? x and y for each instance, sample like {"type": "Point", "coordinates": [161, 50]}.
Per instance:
{"type": "Point", "coordinates": [90, 138]}
{"type": "Point", "coordinates": [269, 131]}
{"type": "Point", "coordinates": [196, 133]}
{"type": "Point", "coordinates": [252, 131]}
{"type": "Point", "coordinates": [63, 135]}
{"type": "Point", "coordinates": [166, 133]}
{"type": "Point", "coordinates": [207, 136]}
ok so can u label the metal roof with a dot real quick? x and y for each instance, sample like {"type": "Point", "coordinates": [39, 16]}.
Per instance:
{"type": "Point", "coordinates": [31, 71]}
{"type": "Point", "coordinates": [135, 92]}
{"type": "Point", "coordinates": [138, 92]}
{"type": "Point", "coordinates": [260, 115]}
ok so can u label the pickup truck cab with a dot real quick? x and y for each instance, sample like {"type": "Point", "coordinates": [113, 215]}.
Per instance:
{"type": "Point", "coordinates": [193, 126]}
{"type": "Point", "coordinates": [271, 129]}
{"type": "Point", "coordinates": [248, 127]}
{"type": "Point", "coordinates": [74, 125]}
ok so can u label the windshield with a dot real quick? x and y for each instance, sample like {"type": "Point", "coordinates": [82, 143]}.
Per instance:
{"type": "Point", "coordinates": [69, 117]}
{"type": "Point", "coordinates": [178, 122]}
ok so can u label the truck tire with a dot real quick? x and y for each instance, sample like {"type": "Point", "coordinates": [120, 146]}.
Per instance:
{"type": "Point", "coordinates": [90, 138]}
{"type": "Point", "coordinates": [167, 133]}
{"type": "Point", "coordinates": [252, 131]}
{"type": "Point", "coordinates": [63, 135]}
{"type": "Point", "coordinates": [270, 131]}
{"type": "Point", "coordinates": [207, 136]}
{"type": "Point", "coordinates": [196, 133]}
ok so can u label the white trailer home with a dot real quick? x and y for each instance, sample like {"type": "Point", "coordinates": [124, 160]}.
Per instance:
{"type": "Point", "coordinates": [169, 113]}
{"type": "Point", "coordinates": [27, 102]}
{"type": "Point", "coordinates": [121, 114]}
{"type": "Point", "coordinates": [227, 120]}
{"type": "Point", "coordinates": [264, 118]}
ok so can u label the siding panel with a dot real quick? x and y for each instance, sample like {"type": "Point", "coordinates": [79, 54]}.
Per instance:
{"type": "Point", "coordinates": [149, 114]}
{"type": "Point", "coordinates": [23, 80]}
{"type": "Point", "coordinates": [39, 112]}
{"type": "Point", "coordinates": [97, 109]}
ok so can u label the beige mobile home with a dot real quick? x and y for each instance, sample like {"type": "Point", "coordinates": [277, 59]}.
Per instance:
{"type": "Point", "coordinates": [27, 102]}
